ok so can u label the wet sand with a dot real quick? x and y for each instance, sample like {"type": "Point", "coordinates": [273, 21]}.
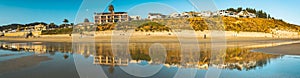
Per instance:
{"type": "Point", "coordinates": [21, 63]}
{"type": "Point", "coordinates": [290, 49]}
{"type": "Point", "coordinates": [5, 55]}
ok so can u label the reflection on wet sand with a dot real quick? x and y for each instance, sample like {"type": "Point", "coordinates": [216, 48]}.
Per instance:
{"type": "Point", "coordinates": [106, 60]}
{"type": "Point", "coordinates": [21, 63]}
{"type": "Point", "coordinates": [235, 57]}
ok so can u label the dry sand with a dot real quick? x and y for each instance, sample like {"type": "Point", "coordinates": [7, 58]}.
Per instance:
{"type": "Point", "coordinates": [132, 39]}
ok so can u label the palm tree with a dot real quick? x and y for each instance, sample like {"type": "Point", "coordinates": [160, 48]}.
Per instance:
{"type": "Point", "coordinates": [111, 9]}
{"type": "Point", "coordinates": [65, 22]}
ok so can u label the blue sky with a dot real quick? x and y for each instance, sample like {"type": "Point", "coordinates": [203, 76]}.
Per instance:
{"type": "Point", "coordinates": [27, 11]}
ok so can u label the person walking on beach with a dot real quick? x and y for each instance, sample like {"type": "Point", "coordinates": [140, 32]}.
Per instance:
{"type": "Point", "coordinates": [81, 33]}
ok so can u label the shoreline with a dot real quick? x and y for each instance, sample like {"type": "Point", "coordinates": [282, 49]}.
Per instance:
{"type": "Point", "coordinates": [256, 44]}
{"type": "Point", "coordinates": [288, 49]}
{"type": "Point", "coordinates": [138, 39]}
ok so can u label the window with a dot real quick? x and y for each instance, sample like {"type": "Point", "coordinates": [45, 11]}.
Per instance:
{"type": "Point", "coordinates": [116, 16]}
{"type": "Point", "coordinates": [116, 20]}
{"type": "Point", "coordinates": [124, 16]}
{"type": "Point", "coordinates": [96, 17]}
{"type": "Point", "coordinates": [96, 20]}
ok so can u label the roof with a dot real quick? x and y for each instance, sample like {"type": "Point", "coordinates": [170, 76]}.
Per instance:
{"type": "Point", "coordinates": [152, 14]}
{"type": "Point", "coordinates": [103, 13]}
{"type": "Point", "coordinates": [245, 12]}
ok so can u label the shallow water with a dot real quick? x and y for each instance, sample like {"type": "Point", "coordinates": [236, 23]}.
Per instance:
{"type": "Point", "coordinates": [78, 60]}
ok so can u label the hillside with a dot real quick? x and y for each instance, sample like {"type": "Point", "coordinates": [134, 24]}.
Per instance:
{"type": "Point", "coordinates": [152, 26]}
{"type": "Point", "coordinates": [246, 24]}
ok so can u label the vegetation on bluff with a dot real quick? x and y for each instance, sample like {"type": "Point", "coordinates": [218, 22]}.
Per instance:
{"type": "Point", "coordinates": [246, 24]}
{"type": "Point", "coordinates": [58, 31]}
{"type": "Point", "coordinates": [224, 23]}
{"type": "Point", "coordinates": [259, 13]}
{"type": "Point", "coordinates": [152, 26]}
{"type": "Point", "coordinates": [104, 27]}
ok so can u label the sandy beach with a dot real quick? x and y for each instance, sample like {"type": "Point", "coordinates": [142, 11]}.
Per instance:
{"type": "Point", "coordinates": [143, 38]}
{"type": "Point", "coordinates": [134, 36]}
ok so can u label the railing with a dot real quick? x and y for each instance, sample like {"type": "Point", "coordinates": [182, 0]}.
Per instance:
{"type": "Point", "coordinates": [108, 60]}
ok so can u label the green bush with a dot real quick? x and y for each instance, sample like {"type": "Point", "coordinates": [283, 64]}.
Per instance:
{"type": "Point", "coordinates": [152, 26]}
{"type": "Point", "coordinates": [57, 31]}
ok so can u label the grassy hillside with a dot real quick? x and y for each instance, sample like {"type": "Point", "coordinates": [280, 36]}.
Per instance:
{"type": "Point", "coordinates": [198, 24]}
{"type": "Point", "coordinates": [57, 31]}
{"type": "Point", "coordinates": [246, 24]}
{"type": "Point", "coordinates": [152, 26]}
{"type": "Point", "coordinates": [258, 24]}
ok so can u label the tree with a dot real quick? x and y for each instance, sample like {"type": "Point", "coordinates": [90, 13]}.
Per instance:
{"type": "Point", "coordinates": [65, 22]}
{"type": "Point", "coordinates": [251, 10]}
{"type": "Point", "coordinates": [86, 20]}
{"type": "Point", "coordinates": [259, 14]}
{"type": "Point", "coordinates": [111, 9]}
{"type": "Point", "coordinates": [52, 25]}
{"type": "Point", "coordinates": [72, 24]}
{"type": "Point", "coordinates": [239, 9]}
{"type": "Point", "coordinates": [269, 16]}
{"type": "Point", "coordinates": [231, 9]}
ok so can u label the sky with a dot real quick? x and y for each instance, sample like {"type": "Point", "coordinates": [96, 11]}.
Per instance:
{"type": "Point", "coordinates": [28, 11]}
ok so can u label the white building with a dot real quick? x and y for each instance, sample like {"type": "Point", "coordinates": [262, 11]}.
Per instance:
{"type": "Point", "coordinates": [232, 14]}
{"type": "Point", "coordinates": [175, 15]}
{"type": "Point", "coordinates": [206, 14]}
{"type": "Point", "coordinates": [246, 14]}
{"type": "Point", "coordinates": [224, 13]}
{"type": "Point", "coordinates": [227, 13]}
{"type": "Point", "coordinates": [242, 14]}
{"type": "Point", "coordinates": [252, 15]}
{"type": "Point", "coordinates": [152, 16]}
{"type": "Point", "coordinates": [135, 17]}
{"type": "Point", "coordinates": [185, 14]}
{"type": "Point", "coordinates": [85, 25]}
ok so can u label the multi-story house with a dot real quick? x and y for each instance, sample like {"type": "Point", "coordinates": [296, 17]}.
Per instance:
{"type": "Point", "coordinates": [107, 17]}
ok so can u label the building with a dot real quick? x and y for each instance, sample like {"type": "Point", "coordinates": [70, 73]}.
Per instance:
{"type": "Point", "coordinates": [175, 15]}
{"type": "Point", "coordinates": [232, 14]}
{"type": "Point", "coordinates": [40, 27]}
{"type": "Point", "coordinates": [135, 18]}
{"type": "Point", "coordinates": [109, 60]}
{"type": "Point", "coordinates": [85, 25]}
{"type": "Point", "coordinates": [152, 16]}
{"type": "Point", "coordinates": [106, 17]}
{"type": "Point", "coordinates": [227, 13]}
{"type": "Point", "coordinates": [246, 14]}
{"type": "Point", "coordinates": [224, 13]}
{"type": "Point", "coordinates": [205, 14]}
